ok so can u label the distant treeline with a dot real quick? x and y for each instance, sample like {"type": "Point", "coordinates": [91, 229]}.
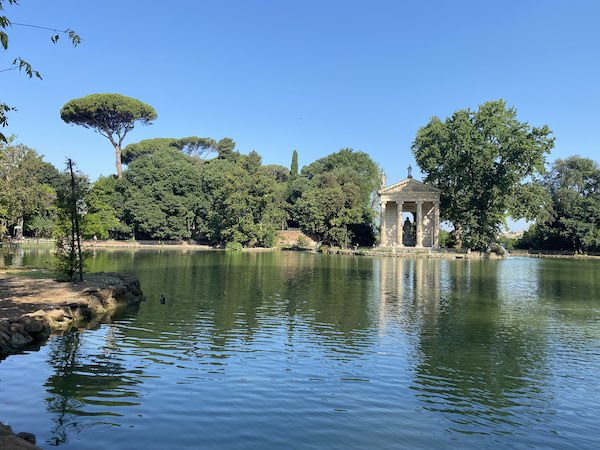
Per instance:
{"type": "Point", "coordinates": [170, 190]}
{"type": "Point", "coordinates": [487, 164]}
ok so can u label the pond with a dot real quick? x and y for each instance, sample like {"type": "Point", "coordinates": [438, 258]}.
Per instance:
{"type": "Point", "coordinates": [299, 350]}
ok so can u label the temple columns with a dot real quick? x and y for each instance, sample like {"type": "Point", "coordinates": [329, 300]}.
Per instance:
{"type": "Point", "coordinates": [419, 243]}
{"type": "Point", "coordinates": [436, 225]}
{"type": "Point", "coordinates": [399, 229]}
{"type": "Point", "coordinates": [383, 238]}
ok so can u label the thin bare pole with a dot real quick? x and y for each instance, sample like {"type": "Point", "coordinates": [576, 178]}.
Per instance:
{"type": "Point", "coordinates": [75, 220]}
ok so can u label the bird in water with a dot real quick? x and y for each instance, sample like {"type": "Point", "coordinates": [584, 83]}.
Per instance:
{"type": "Point", "coordinates": [163, 300]}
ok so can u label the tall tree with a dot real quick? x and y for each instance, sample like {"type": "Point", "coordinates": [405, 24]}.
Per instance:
{"type": "Point", "coordinates": [294, 166]}
{"type": "Point", "coordinates": [486, 163]}
{"type": "Point", "coordinates": [19, 63]}
{"type": "Point", "coordinates": [111, 115]}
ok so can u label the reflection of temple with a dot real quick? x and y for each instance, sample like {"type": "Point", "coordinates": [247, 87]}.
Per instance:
{"type": "Point", "coordinates": [410, 215]}
{"type": "Point", "coordinates": [410, 289]}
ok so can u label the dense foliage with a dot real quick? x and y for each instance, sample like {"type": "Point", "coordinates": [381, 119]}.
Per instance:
{"type": "Point", "coordinates": [170, 192]}
{"type": "Point", "coordinates": [332, 198]}
{"type": "Point", "coordinates": [27, 189]}
{"type": "Point", "coordinates": [574, 222]}
{"type": "Point", "coordinates": [486, 163]}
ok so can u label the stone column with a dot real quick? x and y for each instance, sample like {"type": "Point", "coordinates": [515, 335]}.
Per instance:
{"type": "Point", "coordinates": [399, 229]}
{"type": "Point", "coordinates": [419, 243]}
{"type": "Point", "coordinates": [436, 225]}
{"type": "Point", "coordinates": [382, 232]}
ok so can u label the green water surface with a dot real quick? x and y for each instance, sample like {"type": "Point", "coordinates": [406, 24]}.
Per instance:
{"type": "Point", "coordinates": [297, 350]}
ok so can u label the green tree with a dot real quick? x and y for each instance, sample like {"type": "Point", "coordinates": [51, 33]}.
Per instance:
{"type": "Point", "coordinates": [192, 145]}
{"type": "Point", "coordinates": [333, 198]}
{"type": "Point", "coordinates": [111, 115]}
{"type": "Point", "coordinates": [22, 193]}
{"type": "Point", "coordinates": [294, 166]}
{"type": "Point", "coordinates": [69, 257]}
{"type": "Point", "coordinates": [18, 62]}
{"type": "Point", "coordinates": [105, 210]}
{"type": "Point", "coordinates": [242, 201]}
{"type": "Point", "coordinates": [574, 223]}
{"type": "Point", "coordinates": [486, 163]}
{"type": "Point", "coordinates": [162, 193]}
{"type": "Point", "coordinates": [226, 149]}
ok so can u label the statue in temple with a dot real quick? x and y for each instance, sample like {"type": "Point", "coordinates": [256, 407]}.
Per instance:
{"type": "Point", "coordinates": [407, 229]}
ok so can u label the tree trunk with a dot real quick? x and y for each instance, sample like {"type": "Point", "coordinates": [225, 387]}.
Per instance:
{"type": "Point", "coordinates": [458, 236]}
{"type": "Point", "coordinates": [118, 161]}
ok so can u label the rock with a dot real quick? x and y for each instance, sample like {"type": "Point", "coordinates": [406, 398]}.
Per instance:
{"type": "Point", "coordinates": [11, 441]}
{"type": "Point", "coordinates": [95, 304]}
{"type": "Point", "coordinates": [18, 340]}
{"type": "Point", "coordinates": [91, 290]}
{"type": "Point", "coordinates": [111, 291]}
{"type": "Point", "coordinates": [27, 437]}
{"type": "Point", "coordinates": [5, 336]}
{"type": "Point", "coordinates": [55, 315]}
{"type": "Point", "coordinates": [16, 328]}
{"type": "Point", "coordinates": [31, 324]}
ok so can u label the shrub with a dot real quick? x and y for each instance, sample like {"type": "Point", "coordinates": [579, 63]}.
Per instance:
{"type": "Point", "coordinates": [233, 246]}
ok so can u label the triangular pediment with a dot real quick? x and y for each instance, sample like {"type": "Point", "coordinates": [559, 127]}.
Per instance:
{"type": "Point", "coordinates": [409, 185]}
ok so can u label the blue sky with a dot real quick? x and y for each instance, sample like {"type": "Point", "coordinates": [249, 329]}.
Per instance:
{"type": "Point", "coordinates": [315, 76]}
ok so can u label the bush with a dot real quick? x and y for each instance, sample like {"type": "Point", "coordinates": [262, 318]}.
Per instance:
{"type": "Point", "coordinates": [234, 247]}
{"type": "Point", "coordinates": [303, 243]}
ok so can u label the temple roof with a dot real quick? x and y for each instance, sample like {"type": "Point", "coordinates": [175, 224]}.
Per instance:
{"type": "Point", "coordinates": [409, 185]}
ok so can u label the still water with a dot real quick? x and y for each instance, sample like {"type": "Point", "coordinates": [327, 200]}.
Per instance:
{"type": "Point", "coordinates": [297, 350]}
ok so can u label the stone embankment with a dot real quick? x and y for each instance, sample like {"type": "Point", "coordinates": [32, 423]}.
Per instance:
{"type": "Point", "coordinates": [30, 309]}
{"type": "Point", "coordinates": [425, 253]}
{"type": "Point", "coordinates": [16, 441]}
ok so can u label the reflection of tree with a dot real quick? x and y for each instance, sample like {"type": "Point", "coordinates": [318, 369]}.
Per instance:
{"type": "Point", "coordinates": [477, 358]}
{"type": "Point", "coordinates": [218, 300]}
{"type": "Point", "coordinates": [87, 382]}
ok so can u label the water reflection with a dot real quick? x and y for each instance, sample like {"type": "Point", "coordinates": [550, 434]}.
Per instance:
{"type": "Point", "coordinates": [215, 303]}
{"type": "Point", "coordinates": [292, 349]}
{"type": "Point", "coordinates": [481, 366]}
{"type": "Point", "coordinates": [89, 379]}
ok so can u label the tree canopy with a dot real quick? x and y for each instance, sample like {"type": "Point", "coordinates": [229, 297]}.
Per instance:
{"type": "Point", "coordinates": [574, 220]}
{"type": "Point", "coordinates": [111, 115]}
{"type": "Point", "coordinates": [192, 145]}
{"type": "Point", "coordinates": [332, 197]}
{"type": "Point", "coordinates": [23, 190]}
{"type": "Point", "coordinates": [487, 164]}
{"type": "Point", "coordinates": [162, 195]}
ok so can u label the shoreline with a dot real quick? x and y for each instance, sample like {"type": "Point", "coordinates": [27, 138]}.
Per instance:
{"type": "Point", "coordinates": [363, 251]}
{"type": "Point", "coordinates": [33, 305]}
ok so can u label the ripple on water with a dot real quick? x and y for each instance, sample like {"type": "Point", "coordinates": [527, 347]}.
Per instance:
{"type": "Point", "coordinates": [307, 351]}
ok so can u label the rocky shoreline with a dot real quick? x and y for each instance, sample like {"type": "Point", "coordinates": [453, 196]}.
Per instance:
{"type": "Point", "coordinates": [31, 309]}
{"type": "Point", "coordinates": [9, 440]}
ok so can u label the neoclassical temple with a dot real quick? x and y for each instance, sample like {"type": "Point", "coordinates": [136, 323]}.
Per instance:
{"type": "Point", "coordinates": [406, 200]}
